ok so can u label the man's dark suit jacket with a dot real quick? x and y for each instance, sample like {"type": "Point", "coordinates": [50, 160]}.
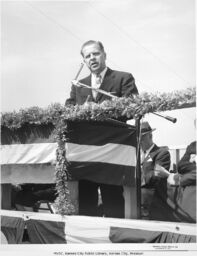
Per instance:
{"type": "Point", "coordinates": [158, 155]}
{"type": "Point", "coordinates": [120, 84]}
{"type": "Point", "coordinates": [159, 210]}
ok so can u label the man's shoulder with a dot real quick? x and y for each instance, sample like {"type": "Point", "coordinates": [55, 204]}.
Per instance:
{"type": "Point", "coordinates": [192, 147]}
{"type": "Point", "coordinates": [119, 72]}
{"type": "Point", "coordinates": [159, 151]}
{"type": "Point", "coordinates": [109, 72]}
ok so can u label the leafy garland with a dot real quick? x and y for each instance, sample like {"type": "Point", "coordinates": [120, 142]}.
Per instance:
{"type": "Point", "coordinates": [63, 203]}
{"type": "Point", "coordinates": [32, 115]}
{"type": "Point", "coordinates": [116, 109]}
{"type": "Point", "coordinates": [131, 107]}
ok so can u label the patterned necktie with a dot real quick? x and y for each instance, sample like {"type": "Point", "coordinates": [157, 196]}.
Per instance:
{"type": "Point", "coordinates": [96, 85]}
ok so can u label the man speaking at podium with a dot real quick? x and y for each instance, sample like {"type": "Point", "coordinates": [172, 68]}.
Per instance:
{"type": "Point", "coordinates": [120, 84]}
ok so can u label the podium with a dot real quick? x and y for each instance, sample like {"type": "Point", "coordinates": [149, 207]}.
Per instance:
{"type": "Point", "coordinates": [101, 152]}
{"type": "Point", "coordinates": [115, 147]}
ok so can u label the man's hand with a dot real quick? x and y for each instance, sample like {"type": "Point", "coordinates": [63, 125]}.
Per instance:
{"type": "Point", "coordinates": [160, 171]}
{"type": "Point", "coordinates": [174, 179]}
{"type": "Point", "coordinates": [192, 158]}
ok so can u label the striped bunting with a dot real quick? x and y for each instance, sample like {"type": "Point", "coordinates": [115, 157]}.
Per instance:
{"type": "Point", "coordinates": [37, 153]}
{"type": "Point", "coordinates": [101, 152]}
{"type": "Point", "coordinates": [44, 228]}
{"type": "Point", "coordinates": [98, 230]}
{"type": "Point", "coordinates": [28, 163]}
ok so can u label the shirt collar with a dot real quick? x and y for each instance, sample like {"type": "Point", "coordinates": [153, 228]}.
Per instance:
{"type": "Point", "coordinates": [102, 74]}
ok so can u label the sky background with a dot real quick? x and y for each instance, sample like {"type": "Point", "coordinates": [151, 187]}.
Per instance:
{"type": "Point", "coordinates": [41, 40]}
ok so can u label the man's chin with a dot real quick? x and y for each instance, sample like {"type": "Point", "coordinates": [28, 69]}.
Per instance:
{"type": "Point", "coordinates": [95, 70]}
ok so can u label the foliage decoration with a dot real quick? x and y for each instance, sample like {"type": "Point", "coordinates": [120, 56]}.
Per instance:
{"type": "Point", "coordinates": [115, 108]}
{"type": "Point", "coordinates": [63, 203]}
{"type": "Point", "coordinates": [32, 115]}
{"type": "Point", "coordinates": [57, 114]}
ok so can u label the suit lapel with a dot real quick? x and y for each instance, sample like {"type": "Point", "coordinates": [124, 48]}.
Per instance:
{"type": "Point", "coordinates": [87, 81]}
{"type": "Point", "coordinates": [106, 84]}
{"type": "Point", "coordinates": [151, 154]}
{"type": "Point", "coordinates": [154, 151]}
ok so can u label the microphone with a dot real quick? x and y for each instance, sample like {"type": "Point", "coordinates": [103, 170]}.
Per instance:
{"type": "Point", "coordinates": [169, 118]}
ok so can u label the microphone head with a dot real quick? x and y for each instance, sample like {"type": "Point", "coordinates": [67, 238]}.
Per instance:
{"type": "Point", "coordinates": [171, 119]}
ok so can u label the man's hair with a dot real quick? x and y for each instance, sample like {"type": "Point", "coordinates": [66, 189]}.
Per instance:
{"type": "Point", "coordinates": [92, 42]}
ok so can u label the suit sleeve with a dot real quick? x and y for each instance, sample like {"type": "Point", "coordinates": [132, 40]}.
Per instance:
{"type": "Point", "coordinates": [128, 86]}
{"type": "Point", "coordinates": [185, 165]}
{"type": "Point", "coordinates": [163, 159]}
{"type": "Point", "coordinates": [188, 179]}
{"type": "Point", "coordinates": [72, 99]}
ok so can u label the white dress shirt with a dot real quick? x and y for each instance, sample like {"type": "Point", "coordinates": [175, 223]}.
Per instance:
{"type": "Point", "coordinates": [145, 155]}
{"type": "Point", "coordinates": [96, 81]}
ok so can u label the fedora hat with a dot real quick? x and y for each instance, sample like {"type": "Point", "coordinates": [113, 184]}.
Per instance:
{"type": "Point", "coordinates": [146, 128]}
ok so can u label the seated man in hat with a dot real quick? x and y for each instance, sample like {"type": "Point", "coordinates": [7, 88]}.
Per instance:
{"type": "Point", "coordinates": [153, 187]}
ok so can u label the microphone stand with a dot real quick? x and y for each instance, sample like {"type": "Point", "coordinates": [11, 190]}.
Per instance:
{"type": "Point", "coordinates": [79, 71]}
{"type": "Point", "coordinates": [138, 167]}
{"type": "Point", "coordinates": [79, 84]}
